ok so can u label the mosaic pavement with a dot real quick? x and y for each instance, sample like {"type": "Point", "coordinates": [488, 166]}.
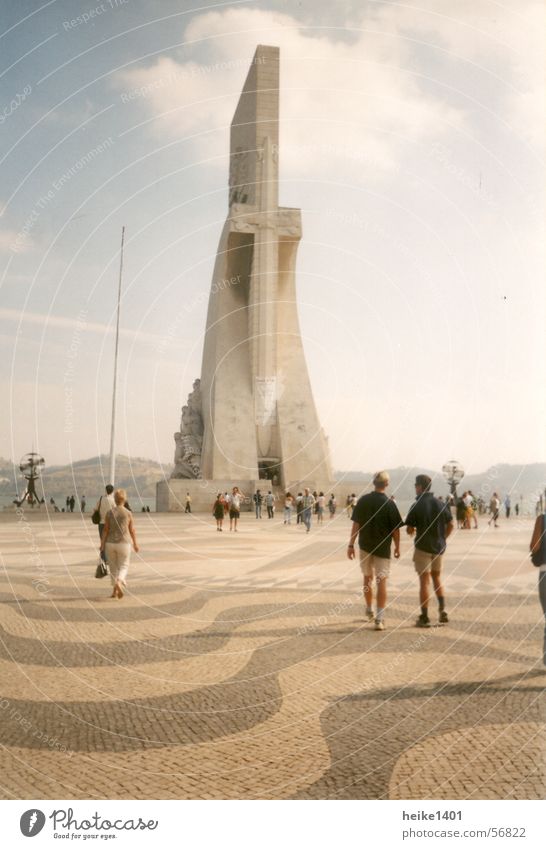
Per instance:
{"type": "Point", "coordinates": [240, 666]}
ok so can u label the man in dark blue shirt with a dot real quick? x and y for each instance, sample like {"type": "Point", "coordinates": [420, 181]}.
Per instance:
{"type": "Point", "coordinates": [432, 522]}
{"type": "Point", "coordinates": [376, 521]}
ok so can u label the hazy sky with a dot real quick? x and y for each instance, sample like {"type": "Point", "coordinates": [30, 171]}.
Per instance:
{"type": "Point", "coordinates": [412, 140]}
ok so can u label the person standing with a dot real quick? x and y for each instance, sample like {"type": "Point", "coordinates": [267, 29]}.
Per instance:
{"type": "Point", "coordinates": [72, 503]}
{"type": "Point", "coordinates": [376, 522]}
{"type": "Point", "coordinates": [494, 507]}
{"type": "Point", "coordinates": [218, 511]}
{"type": "Point", "coordinates": [516, 508]}
{"type": "Point", "coordinates": [288, 502]}
{"type": "Point", "coordinates": [258, 503]}
{"type": "Point", "coordinates": [538, 549]}
{"type": "Point", "coordinates": [468, 512]}
{"type": "Point", "coordinates": [332, 504]}
{"type": "Point", "coordinates": [507, 505]}
{"type": "Point", "coordinates": [235, 500]}
{"type": "Point", "coordinates": [103, 505]}
{"type": "Point", "coordinates": [474, 505]}
{"type": "Point", "coordinates": [460, 512]}
{"type": "Point", "coordinates": [82, 503]}
{"type": "Point", "coordinates": [67, 503]}
{"type": "Point", "coordinates": [321, 504]}
{"type": "Point", "coordinates": [117, 535]}
{"type": "Point", "coordinates": [270, 504]}
{"type": "Point", "coordinates": [432, 522]}
{"type": "Point", "coordinates": [187, 509]}
{"type": "Point", "coordinates": [307, 502]}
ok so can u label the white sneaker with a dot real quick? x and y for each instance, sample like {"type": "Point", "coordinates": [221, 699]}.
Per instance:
{"type": "Point", "coordinates": [370, 615]}
{"type": "Point", "coordinates": [379, 625]}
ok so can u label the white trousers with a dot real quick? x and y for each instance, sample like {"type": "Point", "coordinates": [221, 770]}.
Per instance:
{"type": "Point", "coordinates": [118, 555]}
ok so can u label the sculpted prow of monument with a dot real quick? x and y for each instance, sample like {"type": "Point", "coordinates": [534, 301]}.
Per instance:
{"type": "Point", "coordinates": [253, 416]}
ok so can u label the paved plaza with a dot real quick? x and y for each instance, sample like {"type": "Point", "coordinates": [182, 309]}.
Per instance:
{"type": "Point", "coordinates": [241, 666]}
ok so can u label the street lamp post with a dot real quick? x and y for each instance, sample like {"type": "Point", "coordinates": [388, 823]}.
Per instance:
{"type": "Point", "coordinates": [31, 465]}
{"type": "Point", "coordinates": [453, 472]}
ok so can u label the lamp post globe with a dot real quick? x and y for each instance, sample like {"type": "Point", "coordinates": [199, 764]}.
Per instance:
{"type": "Point", "coordinates": [30, 466]}
{"type": "Point", "coordinates": [453, 472]}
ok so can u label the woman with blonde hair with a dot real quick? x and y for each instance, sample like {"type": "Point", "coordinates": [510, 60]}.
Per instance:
{"type": "Point", "coordinates": [116, 539]}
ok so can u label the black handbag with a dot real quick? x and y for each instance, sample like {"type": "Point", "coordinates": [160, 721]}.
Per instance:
{"type": "Point", "coordinates": [537, 557]}
{"type": "Point", "coordinates": [102, 570]}
{"type": "Point", "coordinates": [95, 516]}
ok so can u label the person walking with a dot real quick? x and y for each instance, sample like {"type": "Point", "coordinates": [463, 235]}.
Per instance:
{"type": "Point", "coordinates": [258, 500]}
{"type": "Point", "coordinates": [235, 500]}
{"type": "Point", "coordinates": [270, 504]}
{"type": "Point", "coordinates": [432, 522]}
{"type": "Point", "coordinates": [299, 508]}
{"type": "Point", "coordinates": [376, 523]}
{"type": "Point", "coordinates": [332, 504]}
{"type": "Point", "coordinates": [538, 554]}
{"type": "Point", "coordinates": [72, 503]}
{"type": "Point", "coordinates": [103, 505]}
{"type": "Point", "coordinates": [507, 505]}
{"type": "Point", "coordinates": [218, 511]}
{"type": "Point", "coordinates": [187, 509]}
{"type": "Point", "coordinates": [83, 502]}
{"type": "Point", "coordinates": [494, 507]}
{"type": "Point", "coordinates": [118, 533]}
{"type": "Point", "coordinates": [308, 502]}
{"type": "Point", "coordinates": [288, 503]}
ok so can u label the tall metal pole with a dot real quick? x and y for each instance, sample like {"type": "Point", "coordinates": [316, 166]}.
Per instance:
{"type": "Point", "coordinates": [113, 427]}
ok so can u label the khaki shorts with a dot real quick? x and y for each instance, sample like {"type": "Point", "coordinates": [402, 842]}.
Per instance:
{"type": "Point", "coordinates": [370, 565]}
{"type": "Point", "coordinates": [425, 562]}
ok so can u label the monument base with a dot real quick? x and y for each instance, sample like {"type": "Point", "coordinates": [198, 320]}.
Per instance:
{"type": "Point", "coordinates": [171, 493]}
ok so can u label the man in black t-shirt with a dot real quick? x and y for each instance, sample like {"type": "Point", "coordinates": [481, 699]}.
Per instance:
{"type": "Point", "coordinates": [376, 521]}
{"type": "Point", "coordinates": [432, 520]}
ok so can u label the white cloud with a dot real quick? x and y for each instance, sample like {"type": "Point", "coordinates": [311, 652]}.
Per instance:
{"type": "Point", "coordinates": [356, 100]}
{"type": "Point", "coordinates": [14, 241]}
{"type": "Point", "coordinates": [342, 101]}
{"type": "Point", "coordinates": [506, 41]}
{"type": "Point", "coordinates": [81, 324]}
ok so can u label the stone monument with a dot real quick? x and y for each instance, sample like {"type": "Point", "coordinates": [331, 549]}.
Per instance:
{"type": "Point", "coordinates": [251, 418]}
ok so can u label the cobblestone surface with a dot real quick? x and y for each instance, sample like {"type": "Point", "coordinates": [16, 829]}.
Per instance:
{"type": "Point", "coordinates": [241, 666]}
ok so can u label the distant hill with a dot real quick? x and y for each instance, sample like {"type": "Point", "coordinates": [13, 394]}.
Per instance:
{"type": "Point", "coordinates": [139, 476]}
{"type": "Point", "coordinates": [88, 477]}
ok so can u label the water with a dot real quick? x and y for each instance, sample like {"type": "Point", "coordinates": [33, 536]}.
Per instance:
{"type": "Point", "coordinates": [6, 500]}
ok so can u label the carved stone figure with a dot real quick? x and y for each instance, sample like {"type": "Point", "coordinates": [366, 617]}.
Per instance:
{"type": "Point", "coordinates": [189, 440]}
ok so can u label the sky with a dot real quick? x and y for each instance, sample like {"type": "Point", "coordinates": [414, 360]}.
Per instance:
{"type": "Point", "coordinates": [412, 139]}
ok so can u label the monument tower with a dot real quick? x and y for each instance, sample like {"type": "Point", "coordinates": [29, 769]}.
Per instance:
{"type": "Point", "coordinates": [251, 416]}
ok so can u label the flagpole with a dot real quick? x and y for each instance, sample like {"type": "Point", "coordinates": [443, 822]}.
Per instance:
{"type": "Point", "coordinates": [112, 476]}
